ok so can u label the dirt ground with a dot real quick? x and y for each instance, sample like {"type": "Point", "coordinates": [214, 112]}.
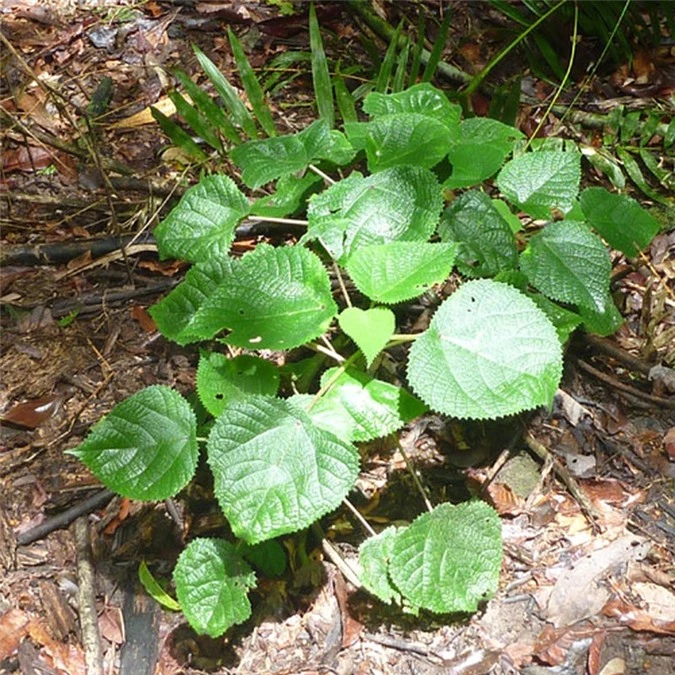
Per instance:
{"type": "Point", "coordinates": [585, 490]}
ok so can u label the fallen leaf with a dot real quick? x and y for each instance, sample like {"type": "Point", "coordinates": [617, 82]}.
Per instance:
{"type": "Point", "coordinates": [616, 666]}
{"type": "Point", "coordinates": [32, 414]}
{"type": "Point", "coordinates": [141, 315]}
{"type": "Point", "coordinates": [13, 628]}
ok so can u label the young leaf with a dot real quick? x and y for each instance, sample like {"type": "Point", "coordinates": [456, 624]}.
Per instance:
{"type": "Point", "coordinates": [345, 100]}
{"type": "Point", "coordinates": [178, 135]}
{"type": "Point", "coordinates": [436, 51]}
{"type": "Point", "coordinates": [374, 556]}
{"type": "Point", "coordinates": [604, 322]}
{"type": "Point", "coordinates": [154, 589]}
{"type": "Point", "coordinates": [486, 244]}
{"type": "Point", "coordinates": [323, 89]}
{"type": "Point", "coordinates": [265, 160]}
{"type": "Point", "coordinates": [387, 64]}
{"type": "Point", "coordinates": [240, 115]}
{"type": "Point", "coordinates": [539, 182]}
{"type": "Point", "coordinates": [567, 262]}
{"type": "Point", "coordinates": [146, 447]}
{"type": "Point", "coordinates": [400, 204]}
{"type": "Point", "coordinates": [252, 87]}
{"type": "Point", "coordinates": [370, 329]}
{"type": "Point", "coordinates": [212, 581]}
{"type": "Point", "coordinates": [479, 151]}
{"type": "Point", "coordinates": [269, 557]}
{"type": "Point", "coordinates": [275, 472]}
{"type": "Point", "coordinates": [489, 352]}
{"type": "Point", "coordinates": [360, 408]}
{"type": "Point", "coordinates": [398, 271]}
{"type": "Point", "coordinates": [221, 379]}
{"type": "Point", "coordinates": [448, 560]}
{"type": "Point", "coordinates": [274, 298]}
{"type": "Point", "coordinates": [203, 223]}
{"type": "Point", "coordinates": [401, 68]}
{"type": "Point", "coordinates": [621, 221]}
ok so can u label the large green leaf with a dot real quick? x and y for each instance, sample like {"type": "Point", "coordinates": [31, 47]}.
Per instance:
{"type": "Point", "coordinates": [360, 408]}
{"type": "Point", "coordinates": [400, 204]}
{"type": "Point", "coordinates": [212, 582]}
{"type": "Point", "coordinates": [488, 352]}
{"type": "Point", "coordinates": [448, 560]}
{"type": "Point", "coordinates": [275, 472]}
{"type": "Point", "coordinates": [398, 271]}
{"type": "Point", "coordinates": [264, 160]}
{"type": "Point", "coordinates": [146, 447]}
{"type": "Point", "coordinates": [567, 262]}
{"type": "Point", "coordinates": [399, 139]}
{"type": "Point", "coordinates": [539, 182]}
{"type": "Point", "coordinates": [201, 226]}
{"type": "Point", "coordinates": [479, 151]}
{"type": "Point", "coordinates": [619, 219]}
{"type": "Point", "coordinates": [221, 379]}
{"type": "Point", "coordinates": [270, 298]}
{"type": "Point", "coordinates": [486, 243]}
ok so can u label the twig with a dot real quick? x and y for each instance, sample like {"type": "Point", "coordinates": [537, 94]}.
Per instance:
{"type": "Point", "coordinates": [364, 523]}
{"type": "Point", "coordinates": [86, 598]}
{"type": "Point", "coordinates": [65, 518]}
{"type": "Point", "coordinates": [565, 476]}
{"type": "Point", "coordinates": [339, 562]}
{"type": "Point", "coordinates": [626, 388]}
{"type": "Point", "coordinates": [616, 352]}
{"type": "Point", "coordinates": [415, 477]}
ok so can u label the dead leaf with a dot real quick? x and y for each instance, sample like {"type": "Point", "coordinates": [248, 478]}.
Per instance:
{"type": "Point", "coordinates": [13, 628]}
{"type": "Point", "coordinates": [141, 315]}
{"type": "Point", "coordinates": [32, 414]}
{"type": "Point", "coordinates": [635, 618]}
{"type": "Point", "coordinates": [669, 443]}
{"type": "Point", "coordinates": [577, 594]}
{"type": "Point", "coordinates": [616, 666]}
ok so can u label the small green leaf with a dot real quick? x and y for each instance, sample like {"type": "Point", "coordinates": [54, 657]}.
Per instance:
{"type": "Point", "coordinates": [154, 589]}
{"type": "Point", "coordinates": [221, 379]}
{"type": "Point", "coordinates": [489, 352]}
{"type": "Point", "coordinates": [620, 220]}
{"type": "Point", "coordinates": [345, 100]}
{"type": "Point", "coordinates": [275, 472]}
{"type": "Point", "coordinates": [486, 244]}
{"type": "Point", "coordinates": [288, 197]}
{"type": "Point", "coordinates": [602, 323]}
{"type": "Point", "coordinates": [449, 560]}
{"type": "Point", "coordinates": [567, 262]}
{"type": "Point", "coordinates": [265, 160]}
{"type": "Point", "coordinates": [479, 151]}
{"type": "Point", "coordinates": [400, 204]}
{"type": "Point", "coordinates": [268, 556]}
{"type": "Point", "coordinates": [240, 115]}
{"type": "Point", "coordinates": [539, 182]}
{"type": "Point", "coordinates": [212, 582]}
{"type": "Point", "coordinates": [565, 322]}
{"type": "Point", "coordinates": [398, 271]}
{"type": "Point", "coordinates": [323, 89]}
{"type": "Point", "coordinates": [252, 86]}
{"type": "Point", "coordinates": [360, 408]}
{"type": "Point", "coordinates": [374, 556]}
{"type": "Point", "coordinates": [146, 447]}
{"type": "Point", "coordinates": [370, 329]}
{"type": "Point", "coordinates": [203, 223]}
{"type": "Point", "coordinates": [401, 139]}
{"type": "Point", "coordinates": [178, 135]}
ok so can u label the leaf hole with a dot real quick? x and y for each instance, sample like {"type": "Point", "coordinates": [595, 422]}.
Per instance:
{"type": "Point", "coordinates": [220, 397]}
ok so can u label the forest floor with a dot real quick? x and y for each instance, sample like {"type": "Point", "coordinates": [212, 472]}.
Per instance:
{"type": "Point", "coordinates": [585, 493]}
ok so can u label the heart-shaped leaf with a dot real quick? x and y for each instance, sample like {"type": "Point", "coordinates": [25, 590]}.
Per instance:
{"type": "Point", "coordinates": [370, 329]}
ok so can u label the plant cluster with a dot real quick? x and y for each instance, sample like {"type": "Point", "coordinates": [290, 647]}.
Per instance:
{"type": "Point", "coordinates": [382, 209]}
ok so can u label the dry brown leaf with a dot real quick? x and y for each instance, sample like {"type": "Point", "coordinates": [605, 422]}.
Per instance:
{"type": "Point", "coordinates": [13, 628]}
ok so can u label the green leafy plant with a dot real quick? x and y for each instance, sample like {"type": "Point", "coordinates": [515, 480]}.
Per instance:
{"type": "Point", "coordinates": [285, 452]}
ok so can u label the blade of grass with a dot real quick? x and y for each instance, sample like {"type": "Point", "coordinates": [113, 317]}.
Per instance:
{"type": "Point", "coordinates": [417, 51]}
{"type": "Point", "coordinates": [345, 100]}
{"type": "Point", "coordinates": [437, 49]}
{"type": "Point", "coordinates": [179, 137]}
{"type": "Point", "coordinates": [401, 68]}
{"type": "Point", "coordinates": [635, 173]}
{"type": "Point", "coordinates": [205, 104]}
{"type": "Point", "coordinates": [241, 116]}
{"type": "Point", "coordinates": [323, 90]}
{"type": "Point", "coordinates": [387, 65]}
{"type": "Point", "coordinates": [196, 121]}
{"type": "Point", "coordinates": [252, 86]}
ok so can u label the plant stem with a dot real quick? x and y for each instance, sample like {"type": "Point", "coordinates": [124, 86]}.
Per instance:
{"type": "Point", "coordinates": [343, 288]}
{"type": "Point", "coordinates": [332, 380]}
{"type": "Point", "coordinates": [398, 338]}
{"type": "Point", "coordinates": [364, 523]}
{"type": "Point", "coordinates": [415, 477]}
{"type": "Point", "coordinates": [283, 221]}
{"type": "Point", "coordinates": [323, 175]}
